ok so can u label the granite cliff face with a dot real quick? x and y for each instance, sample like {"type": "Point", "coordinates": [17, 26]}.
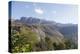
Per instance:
{"type": "Point", "coordinates": [52, 28]}
{"type": "Point", "coordinates": [44, 31]}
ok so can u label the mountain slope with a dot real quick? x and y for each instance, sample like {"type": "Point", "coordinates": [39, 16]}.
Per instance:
{"type": "Point", "coordinates": [52, 28]}
{"type": "Point", "coordinates": [44, 35]}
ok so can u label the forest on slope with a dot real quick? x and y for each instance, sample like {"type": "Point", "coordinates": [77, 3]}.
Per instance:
{"type": "Point", "coordinates": [31, 34]}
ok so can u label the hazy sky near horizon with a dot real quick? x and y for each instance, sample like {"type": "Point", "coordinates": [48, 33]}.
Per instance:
{"type": "Point", "coordinates": [61, 13]}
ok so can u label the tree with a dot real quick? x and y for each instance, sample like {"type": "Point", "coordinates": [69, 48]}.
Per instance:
{"type": "Point", "coordinates": [23, 40]}
{"type": "Point", "coordinates": [59, 46]}
{"type": "Point", "coordinates": [49, 43]}
{"type": "Point", "coordinates": [70, 44]}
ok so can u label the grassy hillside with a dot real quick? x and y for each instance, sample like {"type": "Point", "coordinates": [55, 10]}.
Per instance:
{"type": "Point", "coordinates": [37, 37]}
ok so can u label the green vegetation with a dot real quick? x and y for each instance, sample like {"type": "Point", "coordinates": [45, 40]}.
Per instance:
{"type": "Point", "coordinates": [23, 39]}
{"type": "Point", "coordinates": [49, 43]}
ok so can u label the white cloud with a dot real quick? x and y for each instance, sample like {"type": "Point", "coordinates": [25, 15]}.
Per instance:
{"type": "Point", "coordinates": [54, 12]}
{"type": "Point", "coordinates": [39, 11]}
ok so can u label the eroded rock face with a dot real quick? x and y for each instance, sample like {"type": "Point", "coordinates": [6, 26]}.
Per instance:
{"type": "Point", "coordinates": [57, 32]}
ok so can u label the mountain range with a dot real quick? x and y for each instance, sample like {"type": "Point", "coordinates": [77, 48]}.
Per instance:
{"type": "Point", "coordinates": [57, 32]}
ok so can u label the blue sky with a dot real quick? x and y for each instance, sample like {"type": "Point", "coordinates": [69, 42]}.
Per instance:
{"type": "Point", "coordinates": [61, 13]}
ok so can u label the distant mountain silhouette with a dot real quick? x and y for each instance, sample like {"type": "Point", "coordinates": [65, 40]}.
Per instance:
{"type": "Point", "coordinates": [56, 31]}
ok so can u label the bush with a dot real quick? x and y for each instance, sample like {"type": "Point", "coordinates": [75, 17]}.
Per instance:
{"type": "Point", "coordinates": [23, 40]}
